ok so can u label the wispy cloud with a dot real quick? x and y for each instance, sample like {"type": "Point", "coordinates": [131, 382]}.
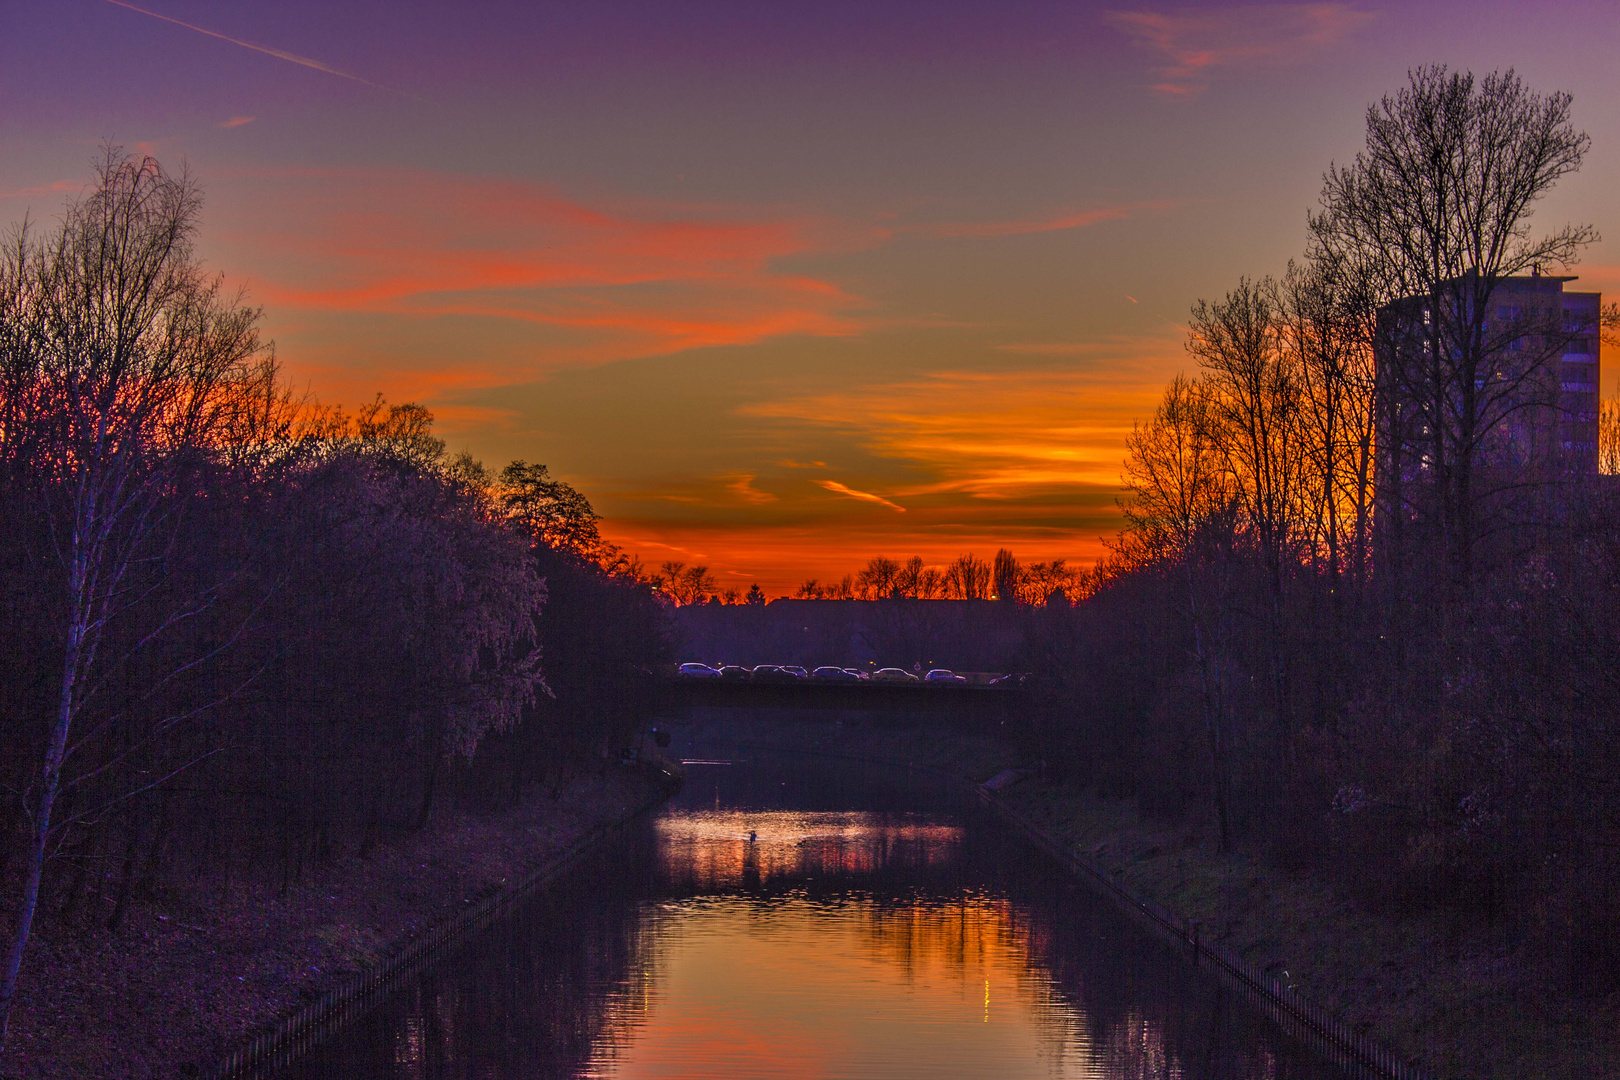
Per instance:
{"type": "Point", "coordinates": [1028, 434]}
{"type": "Point", "coordinates": [236, 121]}
{"type": "Point", "coordinates": [1057, 221]}
{"type": "Point", "coordinates": [865, 496]}
{"type": "Point", "coordinates": [55, 187]}
{"type": "Point", "coordinates": [742, 486]}
{"type": "Point", "coordinates": [279, 54]}
{"type": "Point", "coordinates": [550, 281]}
{"type": "Point", "coordinates": [1196, 43]}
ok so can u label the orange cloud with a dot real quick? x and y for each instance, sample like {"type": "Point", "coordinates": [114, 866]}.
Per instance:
{"type": "Point", "coordinates": [329, 248]}
{"type": "Point", "coordinates": [414, 280]}
{"type": "Point", "coordinates": [994, 434]}
{"type": "Point", "coordinates": [56, 187]}
{"type": "Point", "coordinates": [742, 486]}
{"type": "Point", "coordinates": [1198, 42]}
{"type": "Point", "coordinates": [236, 121]}
{"type": "Point", "coordinates": [865, 496]}
{"type": "Point", "coordinates": [1026, 457]}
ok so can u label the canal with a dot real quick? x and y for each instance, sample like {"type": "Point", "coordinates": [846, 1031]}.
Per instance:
{"type": "Point", "coordinates": [806, 918]}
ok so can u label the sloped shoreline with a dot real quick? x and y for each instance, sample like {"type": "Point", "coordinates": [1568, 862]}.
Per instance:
{"type": "Point", "coordinates": [1447, 996]}
{"type": "Point", "coordinates": [194, 974]}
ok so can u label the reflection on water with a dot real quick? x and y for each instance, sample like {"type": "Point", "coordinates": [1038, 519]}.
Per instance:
{"type": "Point", "coordinates": [721, 850]}
{"type": "Point", "coordinates": [836, 923]}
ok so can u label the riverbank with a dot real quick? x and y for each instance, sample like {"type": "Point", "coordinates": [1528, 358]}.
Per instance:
{"type": "Point", "coordinates": [192, 973]}
{"type": "Point", "coordinates": [1447, 994]}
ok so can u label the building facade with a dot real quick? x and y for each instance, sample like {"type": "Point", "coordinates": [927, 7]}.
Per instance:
{"type": "Point", "coordinates": [1487, 419]}
{"type": "Point", "coordinates": [1506, 374]}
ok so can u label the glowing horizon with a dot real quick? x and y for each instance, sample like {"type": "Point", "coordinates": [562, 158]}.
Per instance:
{"type": "Point", "coordinates": [778, 288]}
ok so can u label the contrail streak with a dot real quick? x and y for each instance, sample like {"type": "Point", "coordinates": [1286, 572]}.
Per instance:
{"type": "Point", "coordinates": [279, 54]}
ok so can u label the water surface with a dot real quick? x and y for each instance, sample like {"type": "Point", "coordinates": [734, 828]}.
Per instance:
{"type": "Point", "coordinates": [807, 918]}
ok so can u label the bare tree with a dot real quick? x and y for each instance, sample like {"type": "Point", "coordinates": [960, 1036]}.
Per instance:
{"type": "Point", "coordinates": [695, 585]}
{"type": "Point", "coordinates": [876, 581]}
{"type": "Point", "coordinates": [124, 363]}
{"type": "Point", "coordinates": [968, 578]}
{"type": "Point", "coordinates": [1438, 207]}
{"type": "Point", "coordinates": [1006, 575]}
{"type": "Point", "coordinates": [931, 584]}
{"type": "Point", "coordinates": [1181, 513]}
{"type": "Point", "coordinates": [1328, 325]}
{"type": "Point", "coordinates": [1255, 395]}
{"type": "Point", "coordinates": [909, 577]}
{"type": "Point", "coordinates": [1042, 581]}
{"type": "Point", "coordinates": [1609, 438]}
{"type": "Point", "coordinates": [1174, 472]}
{"type": "Point", "coordinates": [1609, 413]}
{"type": "Point", "coordinates": [546, 509]}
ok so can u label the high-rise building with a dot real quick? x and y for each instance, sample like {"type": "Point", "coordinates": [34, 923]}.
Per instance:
{"type": "Point", "coordinates": [1507, 374]}
{"type": "Point", "coordinates": [1487, 409]}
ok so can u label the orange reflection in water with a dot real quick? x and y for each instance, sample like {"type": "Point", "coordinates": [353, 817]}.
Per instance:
{"type": "Point", "coordinates": [784, 982]}
{"type": "Point", "coordinates": [713, 850]}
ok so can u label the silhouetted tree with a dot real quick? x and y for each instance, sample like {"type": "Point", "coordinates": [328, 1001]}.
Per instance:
{"type": "Point", "coordinates": [124, 364]}
{"type": "Point", "coordinates": [968, 578]}
{"type": "Point", "coordinates": [1435, 213]}
{"type": "Point", "coordinates": [549, 510]}
{"type": "Point", "coordinates": [1006, 574]}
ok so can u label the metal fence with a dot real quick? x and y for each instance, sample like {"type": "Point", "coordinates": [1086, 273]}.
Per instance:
{"type": "Point", "coordinates": [297, 1034]}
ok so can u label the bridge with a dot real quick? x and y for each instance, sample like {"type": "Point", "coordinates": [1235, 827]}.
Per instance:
{"type": "Point", "coordinates": [953, 699]}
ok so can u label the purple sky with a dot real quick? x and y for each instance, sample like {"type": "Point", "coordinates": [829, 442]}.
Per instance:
{"type": "Point", "coordinates": [778, 286]}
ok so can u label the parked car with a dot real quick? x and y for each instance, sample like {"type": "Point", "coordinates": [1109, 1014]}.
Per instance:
{"type": "Point", "coordinates": [797, 670]}
{"type": "Point", "coordinates": [774, 673]}
{"type": "Point", "coordinates": [858, 673]}
{"type": "Point", "coordinates": [894, 675]}
{"type": "Point", "coordinates": [832, 674]}
{"type": "Point", "coordinates": [944, 677]}
{"type": "Point", "coordinates": [735, 673]}
{"type": "Point", "coordinates": [697, 671]}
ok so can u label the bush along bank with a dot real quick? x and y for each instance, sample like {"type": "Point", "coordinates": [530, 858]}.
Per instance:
{"type": "Point", "coordinates": [198, 971]}
{"type": "Point", "coordinates": [1454, 998]}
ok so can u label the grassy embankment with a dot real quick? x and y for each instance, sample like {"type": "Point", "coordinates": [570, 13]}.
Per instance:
{"type": "Point", "coordinates": [1446, 993]}
{"type": "Point", "coordinates": [195, 969]}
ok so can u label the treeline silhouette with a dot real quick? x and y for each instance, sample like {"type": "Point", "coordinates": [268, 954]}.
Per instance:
{"type": "Point", "coordinates": [967, 577]}
{"type": "Point", "coordinates": [244, 632]}
{"type": "Point", "coordinates": [1384, 647]}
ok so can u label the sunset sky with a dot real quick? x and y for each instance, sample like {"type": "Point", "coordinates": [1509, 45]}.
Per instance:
{"type": "Point", "coordinates": [779, 286]}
